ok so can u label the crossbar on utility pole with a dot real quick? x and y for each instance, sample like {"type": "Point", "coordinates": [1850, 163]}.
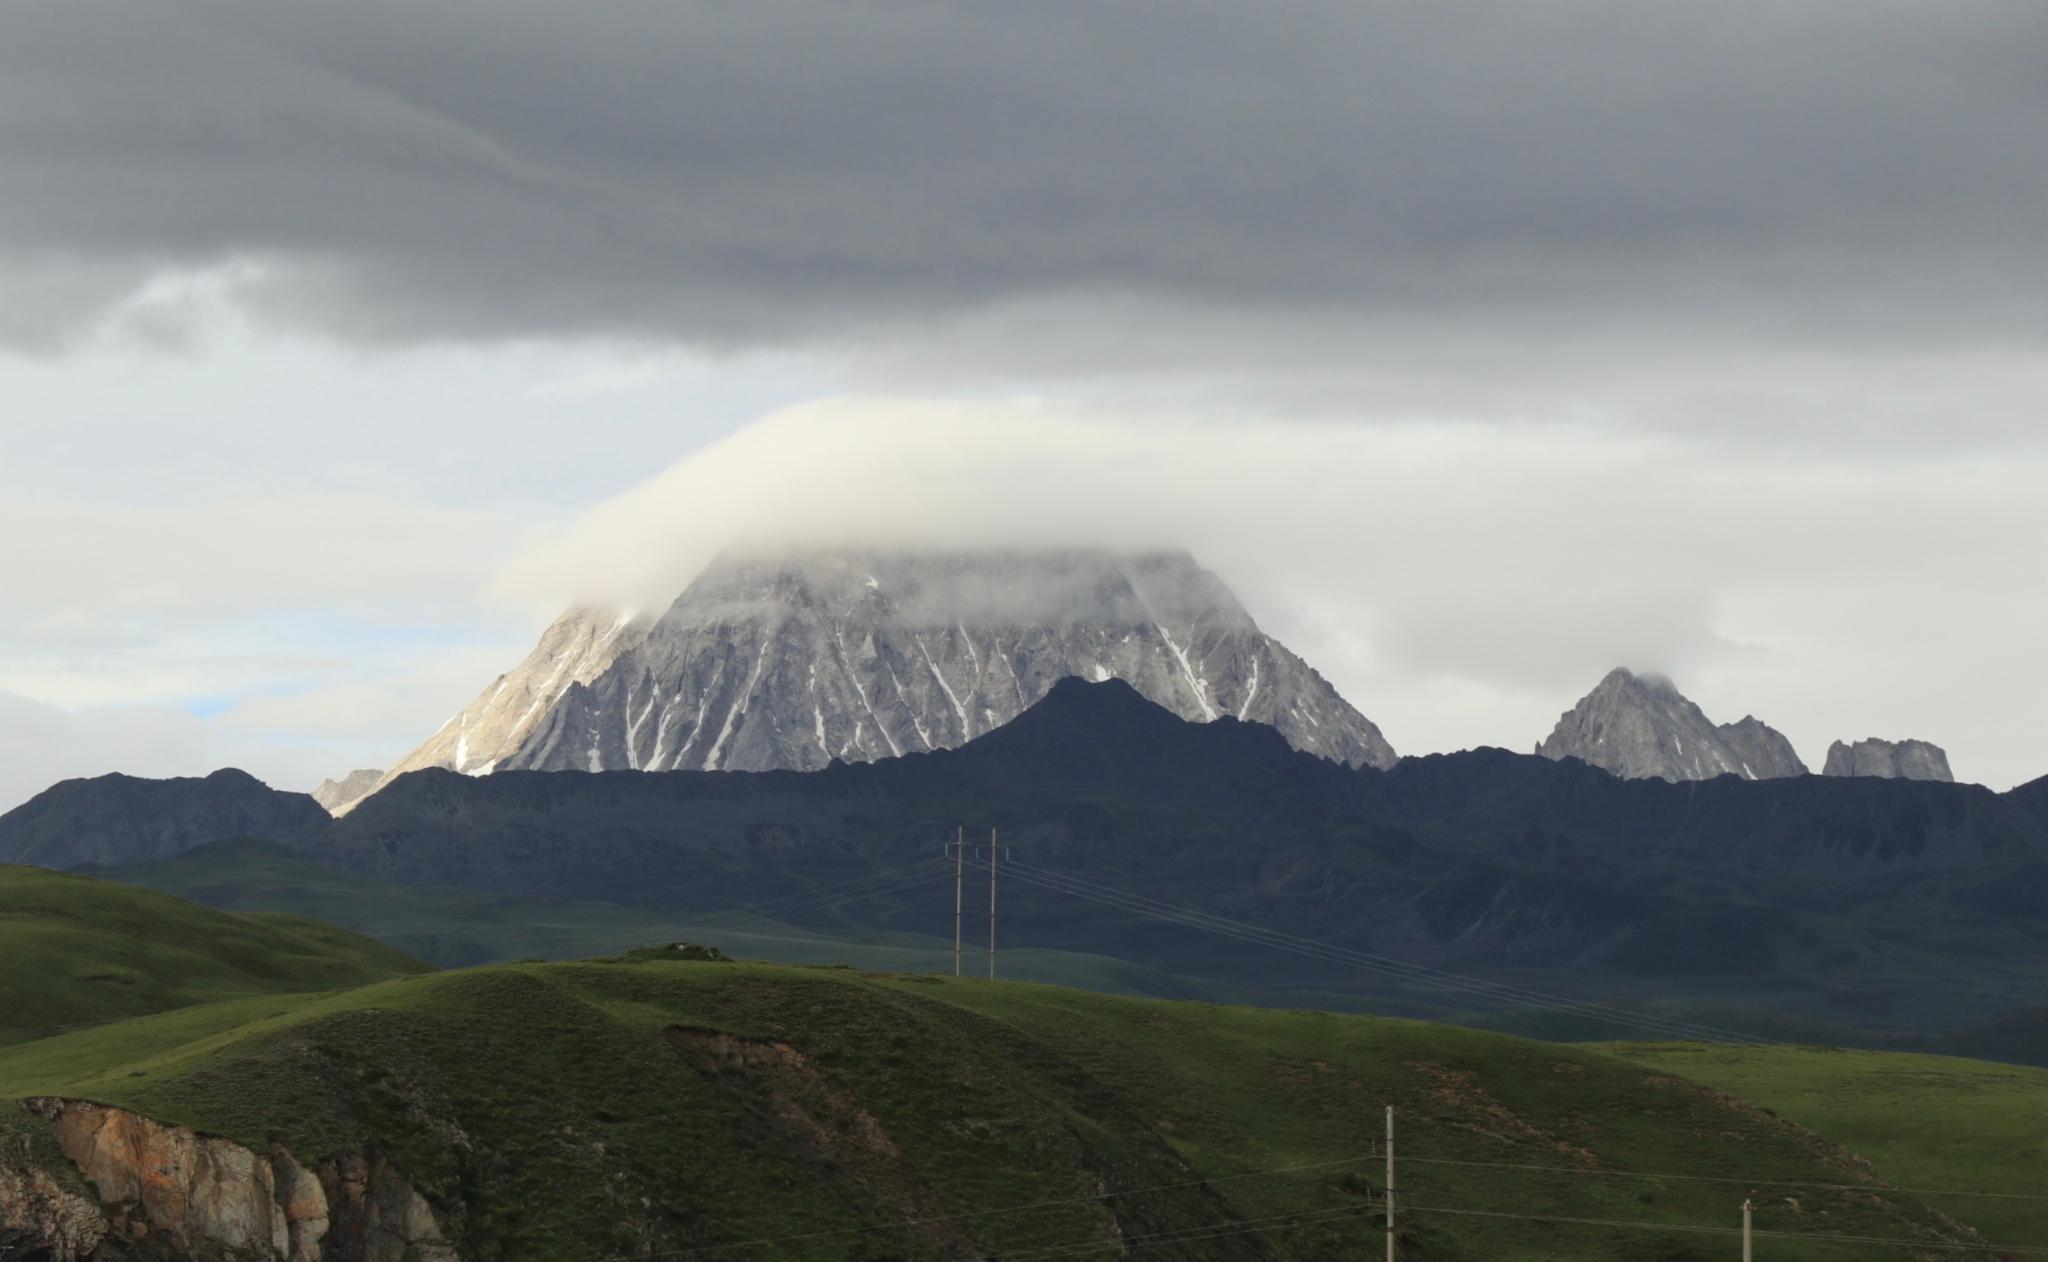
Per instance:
{"type": "Point", "coordinates": [1748, 1211]}
{"type": "Point", "coordinates": [991, 904]}
{"type": "Point", "coordinates": [1390, 1183]}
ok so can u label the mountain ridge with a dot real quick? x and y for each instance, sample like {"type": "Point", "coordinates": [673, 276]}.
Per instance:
{"type": "Point", "coordinates": [790, 661]}
{"type": "Point", "coordinates": [1640, 726]}
{"type": "Point", "coordinates": [117, 818]}
{"type": "Point", "coordinates": [1482, 859]}
{"type": "Point", "coordinates": [1479, 859]}
{"type": "Point", "coordinates": [1904, 760]}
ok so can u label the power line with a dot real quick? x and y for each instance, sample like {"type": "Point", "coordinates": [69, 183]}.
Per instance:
{"type": "Point", "coordinates": [851, 888]}
{"type": "Point", "coordinates": [871, 885]}
{"type": "Point", "coordinates": [1435, 978]}
{"type": "Point", "coordinates": [1092, 1199]}
{"type": "Point", "coordinates": [1420, 971]}
{"type": "Point", "coordinates": [1711, 1178]}
{"type": "Point", "coordinates": [1418, 974]}
{"type": "Point", "coordinates": [1213, 1231]}
{"type": "Point", "coordinates": [1723, 1231]}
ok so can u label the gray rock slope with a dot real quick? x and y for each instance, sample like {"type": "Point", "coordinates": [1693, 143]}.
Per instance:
{"type": "Point", "coordinates": [793, 661]}
{"type": "Point", "coordinates": [1893, 760]}
{"type": "Point", "coordinates": [1638, 726]}
{"type": "Point", "coordinates": [340, 795]}
{"type": "Point", "coordinates": [575, 649]}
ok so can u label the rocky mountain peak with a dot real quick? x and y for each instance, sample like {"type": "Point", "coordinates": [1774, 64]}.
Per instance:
{"type": "Point", "coordinates": [1892, 760]}
{"type": "Point", "coordinates": [789, 660]}
{"type": "Point", "coordinates": [1641, 725]}
{"type": "Point", "coordinates": [1761, 748]}
{"type": "Point", "coordinates": [338, 796]}
{"type": "Point", "coordinates": [575, 648]}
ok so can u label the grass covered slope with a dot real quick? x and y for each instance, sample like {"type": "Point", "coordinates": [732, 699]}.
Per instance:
{"type": "Point", "coordinates": [604, 1109]}
{"type": "Point", "coordinates": [452, 927]}
{"type": "Point", "coordinates": [79, 951]}
{"type": "Point", "coordinates": [1923, 1121]}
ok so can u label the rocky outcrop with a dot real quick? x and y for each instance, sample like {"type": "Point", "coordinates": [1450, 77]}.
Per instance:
{"type": "Point", "coordinates": [1891, 760]}
{"type": "Point", "coordinates": [792, 661]}
{"type": "Point", "coordinates": [39, 1214]}
{"type": "Point", "coordinates": [338, 796]}
{"type": "Point", "coordinates": [116, 819]}
{"type": "Point", "coordinates": [1639, 726]}
{"type": "Point", "coordinates": [376, 1216]}
{"type": "Point", "coordinates": [169, 1186]}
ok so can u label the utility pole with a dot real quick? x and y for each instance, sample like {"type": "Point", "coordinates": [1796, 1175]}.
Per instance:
{"type": "Point", "coordinates": [1748, 1254]}
{"type": "Point", "coordinates": [959, 848]}
{"type": "Point", "coordinates": [1390, 1183]}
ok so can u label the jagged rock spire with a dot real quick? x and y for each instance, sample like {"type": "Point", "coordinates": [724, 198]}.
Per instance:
{"type": "Point", "coordinates": [1639, 726]}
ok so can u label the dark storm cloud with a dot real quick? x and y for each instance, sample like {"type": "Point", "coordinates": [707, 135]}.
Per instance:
{"type": "Point", "coordinates": [765, 171]}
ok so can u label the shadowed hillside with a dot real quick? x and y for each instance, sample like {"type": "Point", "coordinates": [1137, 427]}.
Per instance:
{"type": "Point", "coordinates": [1884, 904]}
{"type": "Point", "coordinates": [79, 951]}
{"type": "Point", "coordinates": [662, 1107]}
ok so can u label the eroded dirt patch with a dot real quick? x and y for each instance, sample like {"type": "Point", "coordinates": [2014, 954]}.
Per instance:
{"type": "Point", "coordinates": [788, 1104]}
{"type": "Point", "coordinates": [1474, 1108]}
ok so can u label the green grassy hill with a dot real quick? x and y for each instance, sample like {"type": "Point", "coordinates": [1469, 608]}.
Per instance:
{"type": "Point", "coordinates": [643, 1107]}
{"type": "Point", "coordinates": [78, 951]}
{"type": "Point", "coordinates": [1935, 1122]}
{"type": "Point", "coordinates": [451, 927]}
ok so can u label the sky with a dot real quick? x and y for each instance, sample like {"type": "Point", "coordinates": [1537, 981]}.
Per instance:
{"type": "Point", "coordinates": [1479, 347]}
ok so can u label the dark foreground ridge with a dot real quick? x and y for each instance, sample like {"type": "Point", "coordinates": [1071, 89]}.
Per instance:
{"type": "Point", "coordinates": [1878, 900]}
{"type": "Point", "coordinates": [1896, 907]}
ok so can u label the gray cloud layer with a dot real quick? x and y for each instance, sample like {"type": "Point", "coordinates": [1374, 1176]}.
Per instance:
{"type": "Point", "coordinates": [769, 171]}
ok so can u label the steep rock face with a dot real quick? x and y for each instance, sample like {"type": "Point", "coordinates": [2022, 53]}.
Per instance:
{"type": "Point", "coordinates": [791, 662]}
{"type": "Point", "coordinates": [577, 648]}
{"type": "Point", "coordinates": [197, 1194]}
{"type": "Point", "coordinates": [339, 796]}
{"type": "Point", "coordinates": [118, 819]}
{"type": "Point", "coordinates": [1893, 760]}
{"type": "Point", "coordinates": [41, 1218]}
{"type": "Point", "coordinates": [1761, 748]}
{"type": "Point", "coordinates": [1640, 726]}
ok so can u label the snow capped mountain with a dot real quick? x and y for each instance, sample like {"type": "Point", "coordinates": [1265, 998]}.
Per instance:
{"type": "Point", "coordinates": [1639, 726]}
{"type": "Point", "coordinates": [792, 661]}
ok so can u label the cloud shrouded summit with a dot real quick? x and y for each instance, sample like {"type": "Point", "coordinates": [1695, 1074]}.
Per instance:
{"type": "Point", "coordinates": [792, 659]}
{"type": "Point", "coordinates": [739, 174]}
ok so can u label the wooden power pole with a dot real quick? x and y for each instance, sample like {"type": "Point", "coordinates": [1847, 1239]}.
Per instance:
{"type": "Point", "coordinates": [1390, 1183]}
{"type": "Point", "coordinates": [959, 848]}
{"type": "Point", "coordinates": [1748, 1211]}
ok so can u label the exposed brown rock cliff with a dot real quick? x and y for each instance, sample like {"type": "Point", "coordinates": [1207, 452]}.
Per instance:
{"type": "Point", "coordinates": [169, 1186]}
